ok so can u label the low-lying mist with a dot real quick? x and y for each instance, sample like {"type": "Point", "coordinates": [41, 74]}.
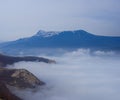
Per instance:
{"type": "Point", "coordinates": [77, 75]}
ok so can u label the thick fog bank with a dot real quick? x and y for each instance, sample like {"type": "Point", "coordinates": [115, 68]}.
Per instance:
{"type": "Point", "coordinates": [55, 51]}
{"type": "Point", "coordinates": [77, 75]}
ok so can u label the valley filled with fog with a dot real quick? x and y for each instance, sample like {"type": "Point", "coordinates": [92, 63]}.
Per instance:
{"type": "Point", "coordinates": [77, 75]}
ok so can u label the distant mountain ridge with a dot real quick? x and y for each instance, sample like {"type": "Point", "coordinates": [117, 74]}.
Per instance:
{"type": "Point", "coordinates": [64, 39]}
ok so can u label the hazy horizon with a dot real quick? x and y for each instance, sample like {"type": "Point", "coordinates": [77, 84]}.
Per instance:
{"type": "Point", "coordinates": [25, 17]}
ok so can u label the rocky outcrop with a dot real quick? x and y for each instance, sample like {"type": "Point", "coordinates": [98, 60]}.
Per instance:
{"type": "Point", "coordinates": [5, 94]}
{"type": "Point", "coordinates": [8, 60]}
{"type": "Point", "coordinates": [19, 78]}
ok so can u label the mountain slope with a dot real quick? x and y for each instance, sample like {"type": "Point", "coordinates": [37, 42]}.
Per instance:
{"type": "Point", "coordinates": [65, 39]}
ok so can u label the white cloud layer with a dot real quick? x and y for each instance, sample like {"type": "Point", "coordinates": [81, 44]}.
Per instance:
{"type": "Point", "coordinates": [76, 76]}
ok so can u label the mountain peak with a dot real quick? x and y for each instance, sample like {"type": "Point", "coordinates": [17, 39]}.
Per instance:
{"type": "Point", "coordinates": [43, 33]}
{"type": "Point", "coordinates": [46, 33]}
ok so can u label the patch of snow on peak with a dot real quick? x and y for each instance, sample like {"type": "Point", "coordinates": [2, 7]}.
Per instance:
{"type": "Point", "coordinates": [46, 34]}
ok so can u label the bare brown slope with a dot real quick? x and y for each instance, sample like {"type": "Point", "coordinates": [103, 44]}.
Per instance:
{"type": "Point", "coordinates": [5, 94]}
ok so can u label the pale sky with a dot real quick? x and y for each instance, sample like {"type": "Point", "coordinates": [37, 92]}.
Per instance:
{"type": "Point", "coordinates": [22, 18]}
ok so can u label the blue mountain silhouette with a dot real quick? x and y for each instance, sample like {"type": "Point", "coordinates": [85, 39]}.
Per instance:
{"type": "Point", "coordinates": [64, 39]}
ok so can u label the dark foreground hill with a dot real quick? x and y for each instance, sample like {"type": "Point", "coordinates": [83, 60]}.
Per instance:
{"type": "Point", "coordinates": [19, 78]}
{"type": "Point", "coordinates": [8, 60]}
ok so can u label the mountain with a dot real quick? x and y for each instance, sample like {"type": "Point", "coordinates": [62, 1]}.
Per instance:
{"type": "Point", "coordinates": [64, 39]}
